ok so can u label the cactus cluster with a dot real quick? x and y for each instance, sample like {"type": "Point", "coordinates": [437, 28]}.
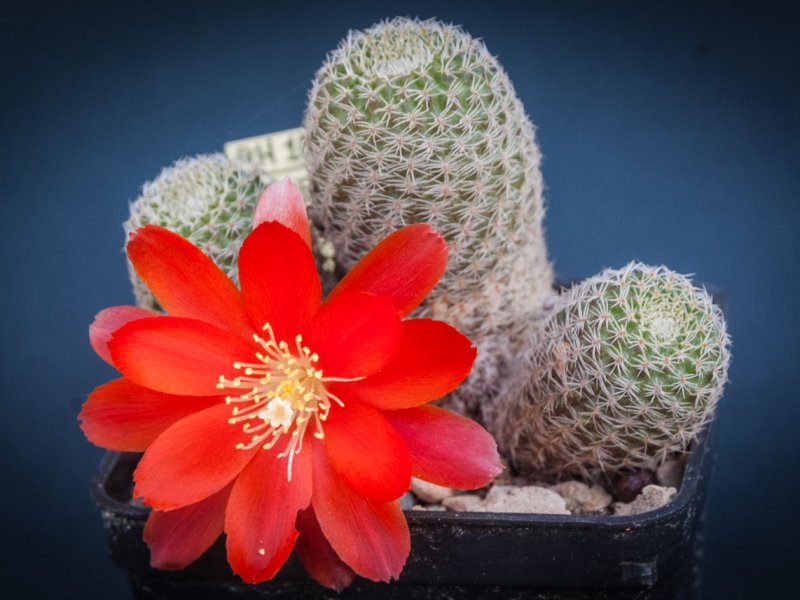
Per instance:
{"type": "Point", "coordinates": [415, 121]}
{"type": "Point", "coordinates": [624, 372]}
{"type": "Point", "coordinates": [209, 200]}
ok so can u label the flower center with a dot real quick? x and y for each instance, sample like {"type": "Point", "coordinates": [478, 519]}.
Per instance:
{"type": "Point", "coordinates": [281, 394]}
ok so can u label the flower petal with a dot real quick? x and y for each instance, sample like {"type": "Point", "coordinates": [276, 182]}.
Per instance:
{"type": "Point", "coordinates": [122, 415]}
{"type": "Point", "coordinates": [433, 359]}
{"type": "Point", "coordinates": [367, 452]}
{"type": "Point", "coordinates": [371, 537]}
{"type": "Point", "coordinates": [177, 538]}
{"type": "Point", "coordinates": [355, 335]}
{"type": "Point", "coordinates": [178, 356]}
{"type": "Point", "coordinates": [317, 556]}
{"type": "Point", "coordinates": [405, 266]}
{"type": "Point", "coordinates": [186, 282]}
{"type": "Point", "coordinates": [280, 284]}
{"type": "Point", "coordinates": [261, 515]}
{"type": "Point", "coordinates": [191, 460]}
{"type": "Point", "coordinates": [447, 449]}
{"type": "Point", "coordinates": [283, 202]}
{"type": "Point", "coordinates": [108, 321]}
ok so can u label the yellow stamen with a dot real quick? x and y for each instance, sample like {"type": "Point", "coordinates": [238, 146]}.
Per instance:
{"type": "Point", "coordinates": [280, 394]}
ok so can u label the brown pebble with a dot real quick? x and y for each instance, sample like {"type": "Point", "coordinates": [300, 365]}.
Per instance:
{"type": "Point", "coordinates": [651, 498]}
{"type": "Point", "coordinates": [582, 499]}
{"type": "Point", "coordinates": [525, 499]}
{"type": "Point", "coordinates": [430, 492]}
{"type": "Point", "coordinates": [670, 474]}
{"type": "Point", "coordinates": [465, 502]}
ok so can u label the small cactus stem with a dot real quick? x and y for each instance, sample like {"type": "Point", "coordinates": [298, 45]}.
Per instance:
{"type": "Point", "coordinates": [209, 200]}
{"type": "Point", "coordinates": [625, 372]}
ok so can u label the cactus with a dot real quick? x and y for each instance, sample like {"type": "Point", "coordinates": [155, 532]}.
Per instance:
{"type": "Point", "coordinates": [209, 200]}
{"type": "Point", "coordinates": [624, 372]}
{"type": "Point", "coordinates": [415, 121]}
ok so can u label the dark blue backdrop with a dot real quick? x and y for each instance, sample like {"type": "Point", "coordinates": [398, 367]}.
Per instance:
{"type": "Point", "coordinates": [670, 135]}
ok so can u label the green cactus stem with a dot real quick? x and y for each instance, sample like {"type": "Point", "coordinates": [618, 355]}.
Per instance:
{"type": "Point", "coordinates": [415, 121]}
{"type": "Point", "coordinates": [209, 200]}
{"type": "Point", "coordinates": [626, 371]}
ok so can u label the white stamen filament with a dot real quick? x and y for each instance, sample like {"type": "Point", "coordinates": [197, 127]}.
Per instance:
{"type": "Point", "coordinates": [281, 393]}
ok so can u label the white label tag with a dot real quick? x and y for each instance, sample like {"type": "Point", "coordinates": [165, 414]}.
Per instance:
{"type": "Point", "coordinates": [279, 154]}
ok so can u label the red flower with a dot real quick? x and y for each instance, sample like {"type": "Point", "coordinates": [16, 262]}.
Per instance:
{"type": "Point", "coordinates": [284, 421]}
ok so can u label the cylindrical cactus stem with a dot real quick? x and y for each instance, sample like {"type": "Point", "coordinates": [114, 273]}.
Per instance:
{"type": "Point", "coordinates": [415, 121]}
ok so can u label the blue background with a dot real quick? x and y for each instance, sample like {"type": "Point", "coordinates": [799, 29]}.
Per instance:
{"type": "Point", "coordinates": [670, 133]}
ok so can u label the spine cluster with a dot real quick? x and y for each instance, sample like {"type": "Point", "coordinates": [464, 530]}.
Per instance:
{"type": "Point", "coordinates": [416, 122]}
{"type": "Point", "coordinates": [626, 371]}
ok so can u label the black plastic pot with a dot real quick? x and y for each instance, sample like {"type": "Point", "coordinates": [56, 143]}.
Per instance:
{"type": "Point", "coordinates": [457, 555]}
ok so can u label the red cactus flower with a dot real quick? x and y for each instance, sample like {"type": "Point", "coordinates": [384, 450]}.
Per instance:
{"type": "Point", "coordinates": [283, 421]}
